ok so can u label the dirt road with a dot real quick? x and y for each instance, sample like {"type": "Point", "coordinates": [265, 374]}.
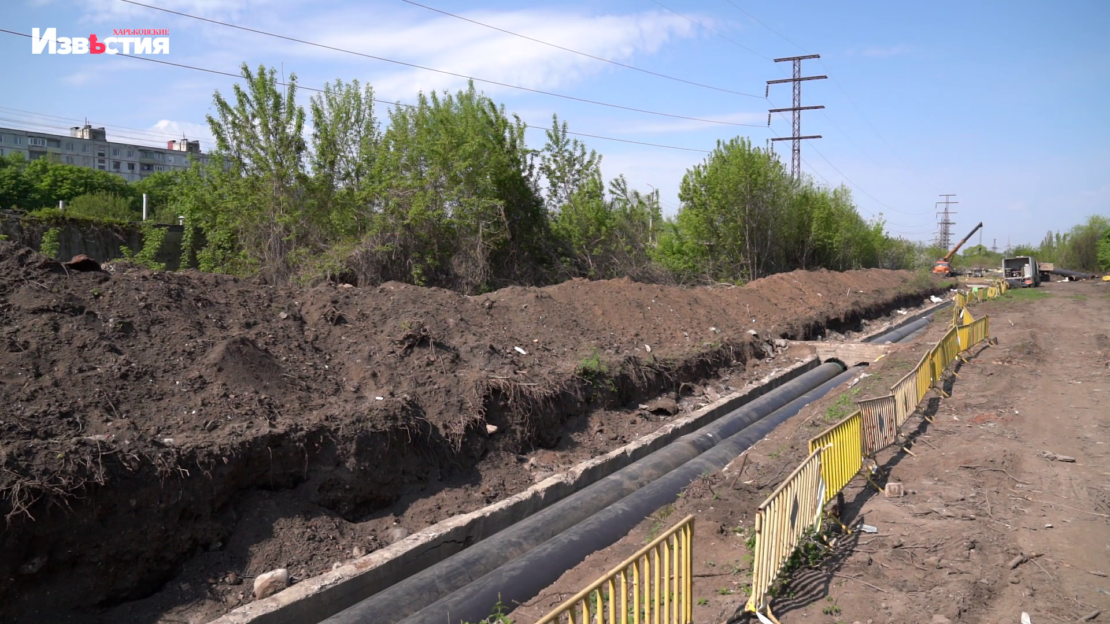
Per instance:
{"type": "Point", "coordinates": [1007, 506]}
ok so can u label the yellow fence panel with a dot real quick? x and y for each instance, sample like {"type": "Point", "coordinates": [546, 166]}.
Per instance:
{"type": "Point", "coordinates": [878, 423]}
{"type": "Point", "coordinates": [924, 375]}
{"type": "Point", "coordinates": [842, 453]}
{"type": "Point", "coordinates": [781, 521]}
{"type": "Point", "coordinates": [653, 586]}
{"type": "Point", "coordinates": [905, 397]}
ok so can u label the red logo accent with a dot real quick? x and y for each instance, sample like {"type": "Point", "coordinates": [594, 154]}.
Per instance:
{"type": "Point", "coordinates": [95, 47]}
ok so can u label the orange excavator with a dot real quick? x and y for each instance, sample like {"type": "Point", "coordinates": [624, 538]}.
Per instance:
{"type": "Point", "coordinates": [943, 266]}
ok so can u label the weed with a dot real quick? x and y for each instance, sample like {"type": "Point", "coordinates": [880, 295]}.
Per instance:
{"type": "Point", "coordinates": [843, 406]}
{"type": "Point", "coordinates": [1025, 294]}
{"type": "Point", "coordinates": [710, 564]}
{"type": "Point", "coordinates": [775, 454]}
{"type": "Point", "coordinates": [703, 601]}
{"type": "Point", "coordinates": [498, 615]}
{"type": "Point", "coordinates": [594, 370]}
{"type": "Point", "coordinates": [3, 237]}
{"type": "Point", "coordinates": [50, 245]}
{"type": "Point", "coordinates": [724, 591]}
{"type": "Point", "coordinates": [95, 292]}
{"type": "Point", "coordinates": [1079, 297]}
{"type": "Point", "coordinates": [832, 609]}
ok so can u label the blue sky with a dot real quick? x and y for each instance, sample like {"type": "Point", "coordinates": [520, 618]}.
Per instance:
{"type": "Point", "coordinates": [999, 102]}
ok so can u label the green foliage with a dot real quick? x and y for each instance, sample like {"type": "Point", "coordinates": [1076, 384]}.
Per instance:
{"type": "Point", "coordinates": [833, 608]}
{"type": "Point", "coordinates": [1104, 251]}
{"type": "Point", "coordinates": [102, 205]}
{"type": "Point", "coordinates": [53, 182]}
{"type": "Point", "coordinates": [153, 237]}
{"type": "Point", "coordinates": [161, 189]}
{"type": "Point", "coordinates": [843, 406]}
{"type": "Point", "coordinates": [50, 245]}
{"type": "Point", "coordinates": [499, 614]}
{"type": "Point", "coordinates": [744, 217]}
{"type": "Point", "coordinates": [1025, 294]}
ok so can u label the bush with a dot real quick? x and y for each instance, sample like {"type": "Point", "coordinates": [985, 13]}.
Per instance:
{"type": "Point", "coordinates": [102, 206]}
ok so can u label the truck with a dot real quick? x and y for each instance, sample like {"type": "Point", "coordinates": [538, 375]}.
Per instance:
{"type": "Point", "coordinates": [1046, 269]}
{"type": "Point", "coordinates": [1021, 272]}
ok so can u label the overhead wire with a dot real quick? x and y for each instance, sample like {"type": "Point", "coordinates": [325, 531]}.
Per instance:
{"type": "Point", "coordinates": [828, 71]}
{"type": "Point", "coordinates": [580, 53]}
{"type": "Point", "coordinates": [154, 134]}
{"type": "Point", "coordinates": [693, 21]}
{"type": "Point", "coordinates": [380, 101]}
{"type": "Point", "coordinates": [438, 71]}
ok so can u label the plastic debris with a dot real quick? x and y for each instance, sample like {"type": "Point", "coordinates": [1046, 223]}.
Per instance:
{"type": "Point", "coordinates": [520, 351]}
{"type": "Point", "coordinates": [867, 528]}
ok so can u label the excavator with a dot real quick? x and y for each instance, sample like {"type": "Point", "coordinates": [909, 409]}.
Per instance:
{"type": "Point", "coordinates": [943, 266]}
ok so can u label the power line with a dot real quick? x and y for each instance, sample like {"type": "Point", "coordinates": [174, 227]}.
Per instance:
{"type": "Point", "coordinates": [62, 129]}
{"type": "Point", "coordinates": [842, 90]}
{"type": "Point", "coordinates": [438, 71]}
{"type": "Point", "coordinates": [693, 21]}
{"type": "Point", "coordinates": [388, 103]}
{"type": "Point", "coordinates": [153, 133]}
{"type": "Point", "coordinates": [796, 128]}
{"type": "Point", "coordinates": [585, 54]}
{"type": "Point", "coordinates": [756, 20]}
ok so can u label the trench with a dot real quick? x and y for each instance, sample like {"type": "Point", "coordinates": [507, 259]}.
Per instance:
{"type": "Point", "coordinates": [362, 475]}
{"type": "Point", "coordinates": [519, 562]}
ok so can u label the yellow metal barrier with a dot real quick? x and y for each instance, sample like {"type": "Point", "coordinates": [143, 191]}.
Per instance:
{"type": "Point", "coordinates": [842, 455]}
{"type": "Point", "coordinates": [781, 521]}
{"type": "Point", "coordinates": [836, 456]}
{"type": "Point", "coordinates": [653, 586]}
{"type": "Point", "coordinates": [878, 422]}
{"type": "Point", "coordinates": [905, 397]}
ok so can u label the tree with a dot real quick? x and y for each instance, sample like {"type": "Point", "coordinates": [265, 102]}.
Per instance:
{"type": "Point", "coordinates": [161, 189]}
{"type": "Point", "coordinates": [1081, 251]}
{"type": "Point", "coordinates": [459, 205]}
{"type": "Point", "coordinates": [102, 206]}
{"type": "Point", "coordinates": [254, 213]}
{"type": "Point", "coordinates": [16, 191]}
{"type": "Point", "coordinates": [346, 138]}
{"type": "Point", "coordinates": [53, 182]}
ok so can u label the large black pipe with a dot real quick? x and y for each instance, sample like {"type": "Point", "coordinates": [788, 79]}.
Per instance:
{"type": "Point", "coordinates": [409, 595]}
{"type": "Point", "coordinates": [1070, 273]}
{"type": "Point", "coordinates": [421, 589]}
{"type": "Point", "coordinates": [902, 332]}
{"type": "Point", "coordinates": [526, 576]}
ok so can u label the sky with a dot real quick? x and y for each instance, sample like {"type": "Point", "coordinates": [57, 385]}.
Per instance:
{"type": "Point", "coordinates": [1000, 103]}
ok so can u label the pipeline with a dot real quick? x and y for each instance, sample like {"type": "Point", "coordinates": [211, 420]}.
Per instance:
{"type": "Point", "coordinates": [417, 593]}
{"type": "Point", "coordinates": [527, 575]}
{"type": "Point", "coordinates": [1072, 274]}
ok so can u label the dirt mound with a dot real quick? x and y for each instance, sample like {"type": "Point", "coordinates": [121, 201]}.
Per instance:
{"type": "Point", "coordinates": [145, 411]}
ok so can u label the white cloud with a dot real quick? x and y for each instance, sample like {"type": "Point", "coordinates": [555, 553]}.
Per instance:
{"type": "Point", "coordinates": [453, 46]}
{"type": "Point", "coordinates": [186, 129]}
{"type": "Point", "coordinates": [685, 125]}
{"type": "Point", "coordinates": [113, 10]}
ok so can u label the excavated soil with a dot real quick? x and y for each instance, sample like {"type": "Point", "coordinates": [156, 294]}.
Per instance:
{"type": "Point", "coordinates": [993, 523]}
{"type": "Point", "coordinates": [165, 436]}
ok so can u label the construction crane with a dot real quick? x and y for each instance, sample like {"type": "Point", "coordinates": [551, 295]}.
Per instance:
{"type": "Point", "coordinates": [943, 266]}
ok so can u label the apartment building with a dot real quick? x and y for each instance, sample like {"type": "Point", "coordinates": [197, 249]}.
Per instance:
{"type": "Point", "coordinates": [89, 147]}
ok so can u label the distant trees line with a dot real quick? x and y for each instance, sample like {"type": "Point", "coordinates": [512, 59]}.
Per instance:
{"type": "Point", "coordinates": [447, 193]}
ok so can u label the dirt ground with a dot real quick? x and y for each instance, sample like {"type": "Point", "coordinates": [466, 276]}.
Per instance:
{"type": "Point", "coordinates": [165, 437]}
{"type": "Point", "coordinates": [991, 525]}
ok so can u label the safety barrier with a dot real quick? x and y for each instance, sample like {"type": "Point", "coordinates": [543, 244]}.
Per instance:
{"type": "Point", "coordinates": [842, 453]}
{"type": "Point", "coordinates": [781, 522]}
{"type": "Point", "coordinates": [961, 300]}
{"type": "Point", "coordinates": [877, 419]}
{"type": "Point", "coordinates": [653, 586]}
{"type": "Point", "coordinates": [837, 454]}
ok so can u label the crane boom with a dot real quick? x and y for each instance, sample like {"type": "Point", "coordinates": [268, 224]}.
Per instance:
{"type": "Point", "coordinates": [948, 258]}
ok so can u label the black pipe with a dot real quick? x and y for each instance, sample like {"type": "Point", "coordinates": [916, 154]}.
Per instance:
{"type": "Point", "coordinates": [412, 593]}
{"type": "Point", "coordinates": [902, 332]}
{"type": "Point", "coordinates": [1070, 273]}
{"type": "Point", "coordinates": [419, 590]}
{"type": "Point", "coordinates": [528, 575]}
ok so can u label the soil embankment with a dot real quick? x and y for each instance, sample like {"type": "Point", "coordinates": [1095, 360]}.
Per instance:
{"type": "Point", "coordinates": [162, 427]}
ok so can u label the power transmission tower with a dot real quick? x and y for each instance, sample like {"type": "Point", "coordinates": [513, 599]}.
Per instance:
{"type": "Point", "coordinates": [944, 234]}
{"type": "Point", "coordinates": [796, 129]}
